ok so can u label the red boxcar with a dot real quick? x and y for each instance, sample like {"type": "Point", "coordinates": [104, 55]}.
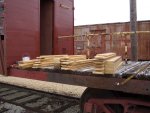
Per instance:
{"type": "Point", "coordinates": [114, 43]}
{"type": "Point", "coordinates": [32, 27]}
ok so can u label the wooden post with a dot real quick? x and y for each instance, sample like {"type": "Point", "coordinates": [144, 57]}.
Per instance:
{"type": "Point", "coordinates": [133, 26]}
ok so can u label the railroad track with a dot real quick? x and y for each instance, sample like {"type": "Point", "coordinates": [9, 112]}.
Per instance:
{"type": "Point", "coordinates": [15, 99]}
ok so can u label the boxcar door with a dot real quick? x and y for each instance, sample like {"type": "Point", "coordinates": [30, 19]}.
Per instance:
{"type": "Point", "coordinates": [2, 65]}
{"type": "Point", "coordinates": [2, 60]}
{"type": "Point", "coordinates": [63, 26]}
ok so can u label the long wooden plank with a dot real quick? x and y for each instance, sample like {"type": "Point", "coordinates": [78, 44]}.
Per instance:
{"type": "Point", "coordinates": [105, 56]}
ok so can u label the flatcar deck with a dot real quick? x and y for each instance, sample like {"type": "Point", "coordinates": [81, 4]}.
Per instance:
{"type": "Point", "coordinates": [87, 79]}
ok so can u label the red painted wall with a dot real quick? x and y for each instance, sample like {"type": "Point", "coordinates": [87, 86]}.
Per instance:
{"type": "Point", "coordinates": [22, 29]}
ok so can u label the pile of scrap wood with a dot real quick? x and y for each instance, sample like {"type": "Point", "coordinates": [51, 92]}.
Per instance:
{"type": "Point", "coordinates": [75, 62]}
{"type": "Point", "coordinates": [107, 63]}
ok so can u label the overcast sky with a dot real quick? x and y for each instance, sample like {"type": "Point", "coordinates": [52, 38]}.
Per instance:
{"type": "Point", "coordinates": [107, 11]}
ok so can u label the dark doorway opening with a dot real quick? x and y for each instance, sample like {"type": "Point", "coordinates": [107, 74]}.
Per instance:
{"type": "Point", "coordinates": [46, 26]}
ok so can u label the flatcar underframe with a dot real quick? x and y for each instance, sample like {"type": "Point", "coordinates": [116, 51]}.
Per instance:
{"type": "Point", "coordinates": [104, 94]}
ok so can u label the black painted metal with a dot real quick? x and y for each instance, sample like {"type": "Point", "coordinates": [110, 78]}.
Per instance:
{"type": "Point", "coordinates": [101, 82]}
{"type": "Point", "coordinates": [2, 68]}
{"type": "Point", "coordinates": [133, 26]}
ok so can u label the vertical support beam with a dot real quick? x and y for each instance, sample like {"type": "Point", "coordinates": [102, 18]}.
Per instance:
{"type": "Point", "coordinates": [133, 26]}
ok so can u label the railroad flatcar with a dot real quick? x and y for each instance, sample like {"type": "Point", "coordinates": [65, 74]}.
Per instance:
{"type": "Point", "coordinates": [32, 27]}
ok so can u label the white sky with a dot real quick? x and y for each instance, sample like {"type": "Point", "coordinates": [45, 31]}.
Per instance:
{"type": "Point", "coordinates": [107, 11]}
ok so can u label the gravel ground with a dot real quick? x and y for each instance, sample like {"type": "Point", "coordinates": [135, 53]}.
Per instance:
{"type": "Point", "coordinates": [56, 88]}
{"type": "Point", "coordinates": [74, 109]}
{"type": "Point", "coordinates": [10, 108]}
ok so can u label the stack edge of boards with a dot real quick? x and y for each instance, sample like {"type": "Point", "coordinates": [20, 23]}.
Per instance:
{"type": "Point", "coordinates": [107, 63]}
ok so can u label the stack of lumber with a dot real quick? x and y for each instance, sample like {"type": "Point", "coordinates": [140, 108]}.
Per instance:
{"type": "Point", "coordinates": [104, 63]}
{"type": "Point", "coordinates": [112, 64]}
{"type": "Point", "coordinates": [26, 64]}
{"type": "Point", "coordinates": [42, 62]}
{"type": "Point", "coordinates": [48, 61]}
{"type": "Point", "coordinates": [75, 62]}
